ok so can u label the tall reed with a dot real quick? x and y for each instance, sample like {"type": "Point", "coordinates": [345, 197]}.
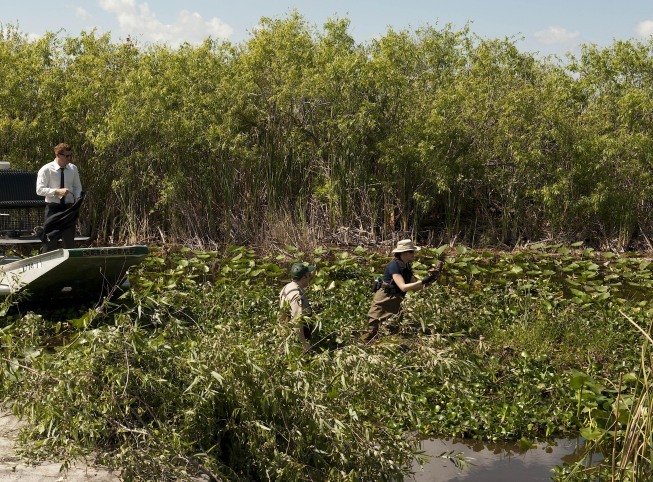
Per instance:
{"type": "Point", "coordinates": [633, 456]}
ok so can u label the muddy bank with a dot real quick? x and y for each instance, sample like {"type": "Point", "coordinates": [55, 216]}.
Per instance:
{"type": "Point", "coordinates": [13, 468]}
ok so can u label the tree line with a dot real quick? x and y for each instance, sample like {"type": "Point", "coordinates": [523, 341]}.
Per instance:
{"type": "Point", "coordinates": [300, 133]}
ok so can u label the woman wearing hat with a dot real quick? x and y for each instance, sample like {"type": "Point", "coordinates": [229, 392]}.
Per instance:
{"type": "Point", "coordinates": [398, 279]}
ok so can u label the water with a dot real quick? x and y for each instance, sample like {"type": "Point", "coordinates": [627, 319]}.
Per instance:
{"type": "Point", "coordinates": [496, 462]}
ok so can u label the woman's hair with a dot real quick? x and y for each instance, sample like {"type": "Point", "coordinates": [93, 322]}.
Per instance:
{"type": "Point", "coordinates": [398, 255]}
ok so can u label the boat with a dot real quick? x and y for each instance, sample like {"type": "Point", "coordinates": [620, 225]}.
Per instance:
{"type": "Point", "coordinates": [78, 273]}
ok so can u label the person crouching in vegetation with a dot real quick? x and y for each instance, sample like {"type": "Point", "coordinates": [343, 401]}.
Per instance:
{"type": "Point", "coordinates": [294, 304]}
{"type": "Point", "coordinates": [398, 279]}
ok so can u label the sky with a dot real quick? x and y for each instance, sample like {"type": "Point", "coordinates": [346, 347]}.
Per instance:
{"type": "Point", "coordinates": [543, 27]}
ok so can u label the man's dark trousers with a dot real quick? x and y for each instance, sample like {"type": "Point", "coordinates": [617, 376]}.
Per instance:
{"type": "Point", "coordinates": [67, 236]}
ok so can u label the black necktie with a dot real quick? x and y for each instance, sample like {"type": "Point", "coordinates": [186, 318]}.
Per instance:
{"type": "Point", "coordinates": [61, 185]}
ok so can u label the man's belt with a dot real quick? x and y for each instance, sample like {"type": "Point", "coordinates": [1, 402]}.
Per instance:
{"type": "Point", "coordinates": [59, 204]}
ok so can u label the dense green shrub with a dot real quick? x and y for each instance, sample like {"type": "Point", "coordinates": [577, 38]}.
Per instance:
{"type": "Point", "coordinates": [300, 131]}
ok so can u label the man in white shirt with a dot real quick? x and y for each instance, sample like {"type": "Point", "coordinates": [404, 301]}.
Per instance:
{"type": "Point", "coordinates": [58, 181]}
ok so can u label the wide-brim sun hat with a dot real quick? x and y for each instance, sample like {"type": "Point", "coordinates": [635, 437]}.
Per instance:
{"type": "Point", "coordinates": [405, 245]}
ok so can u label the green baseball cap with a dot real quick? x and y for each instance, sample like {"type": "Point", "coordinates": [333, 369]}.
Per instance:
{"type": "Point", "coordinates": [299, 270]}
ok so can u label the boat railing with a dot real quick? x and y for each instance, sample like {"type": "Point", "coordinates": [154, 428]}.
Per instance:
{"type": "Point", "coordinates": [21, 209]}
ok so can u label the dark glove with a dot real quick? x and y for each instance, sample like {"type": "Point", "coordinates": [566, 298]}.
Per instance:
{"type": "Point", "coordinates": [429, 278]}
{"type": "Point", "coordinates": [433, 274]}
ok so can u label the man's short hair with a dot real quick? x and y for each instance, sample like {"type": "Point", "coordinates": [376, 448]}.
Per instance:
{"type": "Point", "coordinates": [59, 148]}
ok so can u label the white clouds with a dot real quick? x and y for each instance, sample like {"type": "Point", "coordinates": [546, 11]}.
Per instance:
{"type": "Point", "coordinates": [645, 28]}
{"type": "Point", "coordinates": [82, 14]}
{"type": "Point", "coordinates": [556, 35]}
{"type": "Point", "coordinates": [140, 21]}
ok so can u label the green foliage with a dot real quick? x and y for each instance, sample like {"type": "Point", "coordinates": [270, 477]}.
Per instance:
{"type": "Point", "coordinates": [433, 130]}
{"type": "Point", "coordinates": [190, 372]}
{"type": "Point", "coordinates": [615, 421]}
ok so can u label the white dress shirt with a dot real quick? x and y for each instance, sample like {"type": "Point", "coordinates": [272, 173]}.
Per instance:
{"type": "Point", "coordinates": [48, 181]}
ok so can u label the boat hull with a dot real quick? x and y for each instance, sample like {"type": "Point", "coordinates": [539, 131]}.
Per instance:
{"type": "Point", "coordinates": [70, 273]}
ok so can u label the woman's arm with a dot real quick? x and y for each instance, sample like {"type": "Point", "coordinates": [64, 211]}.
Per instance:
{"type": "Point", "coordinates": [403, 286]}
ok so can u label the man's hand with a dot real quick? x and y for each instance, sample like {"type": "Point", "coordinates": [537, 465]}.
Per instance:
{"type": "Point", "coordinates": [61, 192]}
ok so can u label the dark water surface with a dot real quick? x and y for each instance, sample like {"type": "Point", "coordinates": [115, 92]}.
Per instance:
{"type": "Point", "coordinates": [496, 462]}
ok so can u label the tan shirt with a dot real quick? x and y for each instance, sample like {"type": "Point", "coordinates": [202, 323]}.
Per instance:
{"type": "Point", "coordinates": [293, 302]}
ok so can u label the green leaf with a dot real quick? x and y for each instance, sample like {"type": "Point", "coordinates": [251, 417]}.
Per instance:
{"type": "Point", "coordinates": [589, 433]}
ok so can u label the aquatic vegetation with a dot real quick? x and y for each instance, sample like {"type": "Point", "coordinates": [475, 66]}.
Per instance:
{"type": "Point", "coordinates": [189, 372]}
